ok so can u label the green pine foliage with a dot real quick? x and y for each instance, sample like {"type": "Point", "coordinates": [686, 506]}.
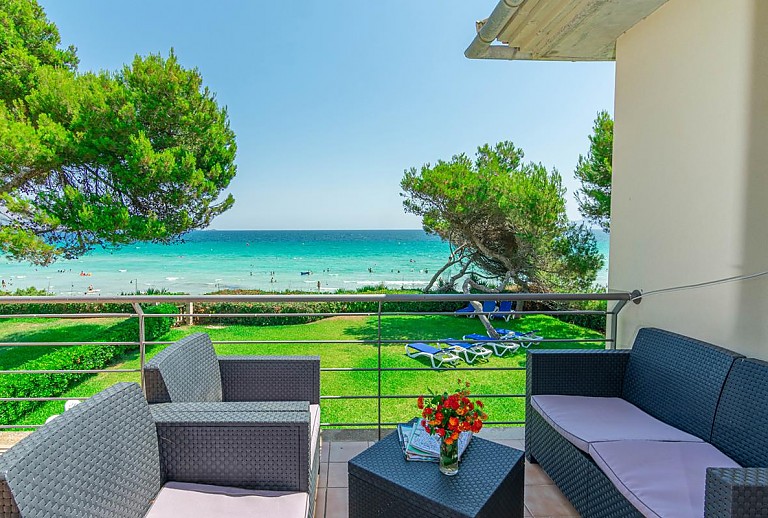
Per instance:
{"type": "Point", "coordinates": [595, 171]}
{"type": "Point", "coordinates": [504, 217]}
{"type": "Point", "coordinates": [102, 158]}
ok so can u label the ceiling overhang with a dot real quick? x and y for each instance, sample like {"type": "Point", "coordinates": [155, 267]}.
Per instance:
{"type": "Point", "coordinates": [557, 30]}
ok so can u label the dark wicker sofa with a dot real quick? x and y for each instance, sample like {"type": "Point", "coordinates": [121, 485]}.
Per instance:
{"type": "Point", "coordinates": [111, 456]}
{"type": "Point", "coordinates": [704, 396]}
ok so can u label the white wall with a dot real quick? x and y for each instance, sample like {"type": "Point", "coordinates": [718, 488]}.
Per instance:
{"type": "Point", "coordinates": [690, 187]}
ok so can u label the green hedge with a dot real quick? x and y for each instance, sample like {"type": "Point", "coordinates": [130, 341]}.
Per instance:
{"type": "Point", "coordinates": [85, 357]}
{"type": "Point", "coordinates": [309, 307]}
{"type": "Point", "coordinates": [595, 322]}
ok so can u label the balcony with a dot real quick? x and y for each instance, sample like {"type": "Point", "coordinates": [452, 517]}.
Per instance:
{"type": "Point", "coordinates": [368, 384]}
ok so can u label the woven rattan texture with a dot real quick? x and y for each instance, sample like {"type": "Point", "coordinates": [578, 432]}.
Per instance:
{"type": "Point", "coordinates": [168, 412]}
{"type": "Point", "coordinates": [733, 492]}
{"type": "Point", "coordinates": [668, 372]}
{"type": "Point", "coordinates": [489, 483]}
{"type": "Point", "coordinates": [188, 369]}
{"type": "Point", "coordinates": [741, 422]}
{"type": "Point", "coordinates": [564, 464]}
{"type": "Point", "coordinates": [270, 378]}
{"type": "Point", "coordinates": [254, 450]}
{"type": "Point", "coordinates": [97, 459]}
{"type": "Point", "coordinates": [574, 472]}
{"type": "Point", "coordinates": [598, 373]}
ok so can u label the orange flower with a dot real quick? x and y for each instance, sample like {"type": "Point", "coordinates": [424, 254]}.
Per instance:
{"type": "Point", "coordinates": [449, 441]}
{"type": "Point", "coordinates": [455, 436]}
{"type": "Point", "coordinates": [453, 422]}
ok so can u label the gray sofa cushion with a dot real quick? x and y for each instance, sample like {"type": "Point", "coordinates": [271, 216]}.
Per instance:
{"type": "Point", "coordinates": [178, 499]}
{"type": "Point", "coordinates": [668, 372]}
{"type": "Point", "coordinates": [185, 371]}
{"type": "Point", "coordinates": [661, 479]}
{"type": "Point", "coordinates": [586, 420]}
{"type": "Point", "coordinates": [741, 422]}
{"type": "Point", "coordinates": [98, 459]}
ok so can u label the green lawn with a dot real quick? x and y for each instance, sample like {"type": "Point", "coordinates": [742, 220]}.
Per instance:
{"type": "Point", "coordinates": [422, 328]}
{"type": "Point", "coordinates": [46, 330]}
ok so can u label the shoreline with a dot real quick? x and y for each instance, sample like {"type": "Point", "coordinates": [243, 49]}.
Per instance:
{"type": "Point", "coordinates": [274, 261]}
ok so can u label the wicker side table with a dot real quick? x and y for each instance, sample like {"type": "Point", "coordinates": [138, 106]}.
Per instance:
{"type": "Point", "coordinates": [489, 483]}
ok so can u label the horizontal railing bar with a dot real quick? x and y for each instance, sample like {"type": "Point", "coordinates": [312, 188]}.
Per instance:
{"type": "Point", "coordinates": [41, 398]}
{"type": "Point", "coordinates": [67, 315]}
{"type": "Point", "coordinates": [395, 423]}
{"type": "Point", "coordinates": [454, 369]}
{"type": "Point", "coordinates": [286, 342]}
{"type": "Point", "coordinates": [398, 341]}
{"type": "Point", "coordinates": [370, 314]}
{"type": "Point", "coordinates": [62, 344]}
{"type": "Point", "coordinates": [369, 297]}
{"type": "Point", "coordinates": [368, 425]}
{"type": "Point", "coordinates": [412, 396]}
{"type": "Point", "coordinates": [253, 315]}
{"type": "Point", "coordinates": [383, 314]}
{"type": "Point", "coordinates": [376, 369]}
{"type": "Point", "coordinates": [70, 371]}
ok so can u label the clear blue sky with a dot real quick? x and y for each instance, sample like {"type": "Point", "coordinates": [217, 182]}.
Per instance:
{"type": "Point", "coordinates": [331, 101]}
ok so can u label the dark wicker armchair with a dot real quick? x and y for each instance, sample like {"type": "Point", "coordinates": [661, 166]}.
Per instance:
{"type": "Point", "coordinates": [113, 457]}
{"type": "Point", "coordinates": [187, 376]}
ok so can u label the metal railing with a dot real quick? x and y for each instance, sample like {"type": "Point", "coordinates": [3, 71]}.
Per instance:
{"type": "Point", "coordinates": [185, 302]}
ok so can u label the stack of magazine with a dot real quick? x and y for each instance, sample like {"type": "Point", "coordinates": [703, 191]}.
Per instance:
{"type": "Point", "coordinates": [419, 445]}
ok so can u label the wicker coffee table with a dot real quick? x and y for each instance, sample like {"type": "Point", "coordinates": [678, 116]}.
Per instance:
{"type": "Point", "coordinates": [489, 483]}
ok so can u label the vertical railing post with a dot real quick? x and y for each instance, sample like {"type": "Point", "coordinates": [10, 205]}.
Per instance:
{"type": "Point", "coordinates": [142, 340]}
{"type": "Point", "coordinates": [614, 312]}
{"type": "Point", "coordinates": [378, 363]}
{"type": "Point", "coordinates": [190, 310]}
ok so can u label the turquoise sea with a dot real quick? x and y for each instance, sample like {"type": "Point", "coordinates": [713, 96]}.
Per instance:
{"type": "Point", "coordinates": [273, 260]}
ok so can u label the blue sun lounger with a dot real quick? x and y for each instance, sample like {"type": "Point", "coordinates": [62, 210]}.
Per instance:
{"type": "Point", "coordinates": [489, 306]}
{"type": "Point", "coordinates": [504, 310]}
{"type": "Point", "coordinates": [469, 352]}
{"type": "Point", "coordinates": [499, 346]}
{"type": "Point", "coordinates": [434, 354]}
{"type": "Point", "coordinates": [524, 339]}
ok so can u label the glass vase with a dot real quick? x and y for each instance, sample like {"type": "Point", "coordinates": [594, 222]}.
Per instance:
{"type": "Point", "coordinates": [449, 457]}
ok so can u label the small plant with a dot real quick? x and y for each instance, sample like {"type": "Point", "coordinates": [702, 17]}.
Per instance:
{"type": "Point", "coordinates": [447, 415]}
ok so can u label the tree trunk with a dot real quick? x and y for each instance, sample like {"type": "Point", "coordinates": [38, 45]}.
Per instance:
{"type": "Point", "coordinates": [486, 321]}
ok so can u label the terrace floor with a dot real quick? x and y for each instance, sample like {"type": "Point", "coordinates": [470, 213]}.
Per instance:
{"type": "Point", "coordinates": [542, 498]}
